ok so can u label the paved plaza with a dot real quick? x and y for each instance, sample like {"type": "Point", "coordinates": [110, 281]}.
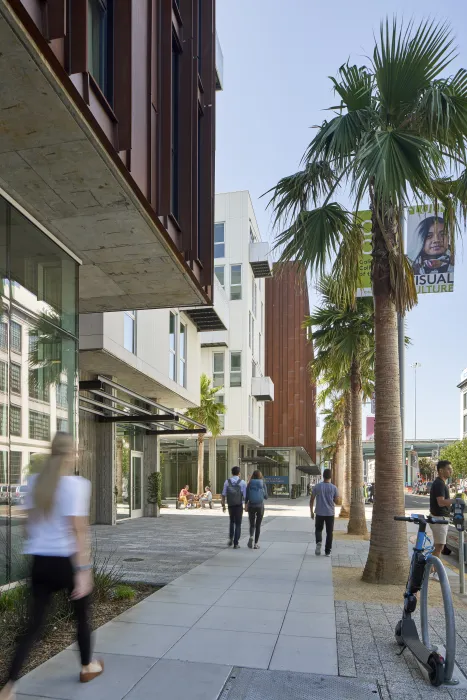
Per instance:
{"type": "Point", "coordinates": [242, 624]}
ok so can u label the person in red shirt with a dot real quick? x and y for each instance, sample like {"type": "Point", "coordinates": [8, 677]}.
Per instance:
{"type": "Point", "coordinates": [185, 496]}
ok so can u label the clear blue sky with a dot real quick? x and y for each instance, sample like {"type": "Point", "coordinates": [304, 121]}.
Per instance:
{"type": "Point", "coordinates": [277, 56]}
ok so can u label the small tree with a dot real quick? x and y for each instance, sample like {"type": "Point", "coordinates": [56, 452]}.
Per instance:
{"type": "Point", "coordinates": [426, 467]}
{"type": "Point", "coordinates": [456, 453]}
{"type": "Point", "coordinates": [208, 413]}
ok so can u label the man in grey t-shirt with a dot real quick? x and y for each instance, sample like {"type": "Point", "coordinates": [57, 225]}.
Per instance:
{"type": "Point", "coordinates": [325, 494]}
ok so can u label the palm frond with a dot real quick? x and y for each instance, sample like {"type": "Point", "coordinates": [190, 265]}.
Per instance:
{"type": "Point", "coordinates": [293, 193]}
{"type": "Point", "coordinates": [314, 236]}
{"type": "Point", "coordinates": [406, 61]}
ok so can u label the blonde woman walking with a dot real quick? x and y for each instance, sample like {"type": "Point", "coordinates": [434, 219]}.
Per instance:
{"type": "Point", "coordinates": [57, 539]}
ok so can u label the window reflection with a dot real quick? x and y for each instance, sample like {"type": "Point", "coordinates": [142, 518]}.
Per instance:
{"type": "Point", "coordinates": [38, 350]}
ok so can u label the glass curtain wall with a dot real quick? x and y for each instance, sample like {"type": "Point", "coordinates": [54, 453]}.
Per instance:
{"type": "Point", "coordinates": [38, 365]}
{"type": "Point", "coordinates": [179, 465]}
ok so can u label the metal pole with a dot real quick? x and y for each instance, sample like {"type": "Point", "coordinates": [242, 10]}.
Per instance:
{"type": "Point", "coordinates": [401, 339]}
{"type": "Point", "coordinates": [415, 430]}
{"type": "Point", "coordinates": [461, 563]}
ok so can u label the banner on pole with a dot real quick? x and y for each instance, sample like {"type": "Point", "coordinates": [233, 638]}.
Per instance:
{"type": "Point", "coordinates": [364, 288]}
{"type": "Point", "coordinates": [428, 248]}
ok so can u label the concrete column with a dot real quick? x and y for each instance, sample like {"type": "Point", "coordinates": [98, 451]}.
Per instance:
{"type": "Point", "coordinates": [106, 507]}
{"type": "Point", "coordinates": [212, 464]}
{"type": "Point", "coordinates": [292, 467]}
{"type": "Point", "coordinates": [151, 463]}
{"type": "Point", "coordinates": [233, 453]}
{"type": "Point", "coordinates": [106, 501]}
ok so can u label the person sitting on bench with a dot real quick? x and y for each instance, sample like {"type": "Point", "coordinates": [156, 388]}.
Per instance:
{"type": "Point", "coordinates": [206, 497]}
{"type": "Point", "coordinates": [186, 497]}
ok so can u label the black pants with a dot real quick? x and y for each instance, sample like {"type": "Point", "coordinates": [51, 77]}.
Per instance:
{"type": "Point", "coordinates": [235, 529]}
{"type": "Point", "coordinates": [319, 524]}
{"type": "Point", "coordinates": [50, 575]}
{"type": "Point", "coordinates": [255, 513]}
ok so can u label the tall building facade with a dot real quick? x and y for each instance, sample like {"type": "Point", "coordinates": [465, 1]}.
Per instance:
{"type": "Point", "coordinates": [234, 358]}
{"type": "Point", "coordinates": [106, 231]}
{"type": "Point", "coordinates": [291, 419]}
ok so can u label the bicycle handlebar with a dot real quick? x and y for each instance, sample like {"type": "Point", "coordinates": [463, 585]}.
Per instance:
{"type": "Point", "coordinates": [433, 520]}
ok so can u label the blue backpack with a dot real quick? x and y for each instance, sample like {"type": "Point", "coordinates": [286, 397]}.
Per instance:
{"type": "Point", "coordinates": [256, 492]}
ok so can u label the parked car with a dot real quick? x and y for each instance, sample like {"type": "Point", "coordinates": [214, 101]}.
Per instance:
{"type": "Point", "coordinates": [3, 493]}
{"type": "Point", "coordinates": [18, 494]}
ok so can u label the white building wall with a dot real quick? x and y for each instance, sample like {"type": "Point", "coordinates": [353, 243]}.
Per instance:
{"type": "Point", "coordinates": [245, 416]}
{"type": "Point", "coordinates": [106, 332]}
{"type": "Point", "coordinates": [463, 405]}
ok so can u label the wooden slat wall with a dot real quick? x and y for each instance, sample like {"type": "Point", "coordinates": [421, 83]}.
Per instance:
{"type": "Point", "coordinates": [290, 420]}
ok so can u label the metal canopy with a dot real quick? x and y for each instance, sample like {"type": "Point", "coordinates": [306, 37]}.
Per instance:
{"type": "Point", "coordinates": [312, 471]}
{"type": "Point", "coordinates": [260, 460]}
{"type": "Point", "coordinates": [111, 403]}
{"type": "Point", "coordinates": [205, 318]}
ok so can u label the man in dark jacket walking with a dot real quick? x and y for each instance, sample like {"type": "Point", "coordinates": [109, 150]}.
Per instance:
{"type": "Point", "coordinates": [234, 492]}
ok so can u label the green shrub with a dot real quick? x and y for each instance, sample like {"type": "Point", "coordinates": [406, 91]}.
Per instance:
{"type": "Point", "coordinates": [108, 574]}
{"type": "Point", "coordinates": [123, 592]}
{"type": "Point", "coordinates": [155, 488]}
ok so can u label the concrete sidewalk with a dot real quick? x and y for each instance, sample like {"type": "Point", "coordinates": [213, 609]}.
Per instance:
{"type": "Point", "coordinates": [270, 609]}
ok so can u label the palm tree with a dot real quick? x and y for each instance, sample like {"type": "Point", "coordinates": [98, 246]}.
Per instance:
{"type": "Point", "coordinates": [335, 382]}
{"type": "Point", "coordinates": [332, 437]}
{"type": "Point", "coordinates": [208, 413]}
{"type": "Point", "coordinates": [343, 336]}
{"type": "Point", "coordinates": [398, 136]}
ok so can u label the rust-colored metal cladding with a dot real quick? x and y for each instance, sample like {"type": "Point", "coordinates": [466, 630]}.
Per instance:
{"type": "Point", "coordinates": [107, 140]}
{"type": "Point", "coordinates": [290, 420]}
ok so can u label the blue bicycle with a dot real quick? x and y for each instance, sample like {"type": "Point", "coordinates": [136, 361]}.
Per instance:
{"type": "Point", "coordinates": [406, 631]}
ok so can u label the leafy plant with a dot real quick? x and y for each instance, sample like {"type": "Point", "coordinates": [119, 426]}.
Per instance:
{"type": "Point", "coordinates": [456, 453]}
{"type": "Point", "coordinates": [155, 488]}
{"type": "Point", "coordinates": [107, 572]}
{"type": "Point", "coordinates": [123, 592]}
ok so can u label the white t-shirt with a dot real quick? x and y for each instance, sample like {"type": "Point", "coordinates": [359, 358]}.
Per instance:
{"type": "Point", "coordinates": [54, 536]}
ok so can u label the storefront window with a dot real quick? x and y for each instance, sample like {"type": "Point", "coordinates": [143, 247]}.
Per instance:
{"type": "Point", "coordinates": [38, 362]}
{"type": "Point", "coordinates": [179, 465]}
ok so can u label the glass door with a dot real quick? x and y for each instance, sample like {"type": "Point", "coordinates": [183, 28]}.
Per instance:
{"type": "Point", "coordinates": [136, 484]}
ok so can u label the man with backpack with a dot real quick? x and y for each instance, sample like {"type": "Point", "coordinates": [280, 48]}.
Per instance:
{"type": "Point", "coordinates": [235, 492]}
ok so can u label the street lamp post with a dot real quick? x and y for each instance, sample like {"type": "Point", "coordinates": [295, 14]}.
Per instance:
{"type": "Point", "coordinates": [415, 366]}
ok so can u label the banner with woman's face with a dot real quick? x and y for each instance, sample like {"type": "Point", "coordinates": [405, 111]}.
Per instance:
{"type": "Point", "coordinates": [427, 246]}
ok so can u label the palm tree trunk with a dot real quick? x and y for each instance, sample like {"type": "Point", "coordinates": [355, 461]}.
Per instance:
{"type": "Point", "coordinates": [338, 470]}
{"type": "Point", "coordinates": [345, 509]}
{"type": "Point", "coordinates": [388, 556]}
{"type": "Point", "coordinates": [357, 522]}
{"type": "Point", "coordinates": [200, 479]}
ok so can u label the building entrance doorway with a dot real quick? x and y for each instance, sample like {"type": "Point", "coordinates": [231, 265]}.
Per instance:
{"type": "Point", "coordinates": [136, 506]}
{"type": "Point", "coordinates": [129, 471]}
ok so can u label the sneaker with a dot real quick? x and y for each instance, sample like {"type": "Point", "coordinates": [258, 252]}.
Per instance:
{"type": "Point", "coordinates": [229, 543]}
{"type": "Point", "coordinates": [318, 549]}
{"type": "Point", "coordinates": [256, 546]}
{"type": "Point", "coordinates": [434, 576]}
{"type": "Point", "coordinates": [250, 543]}
{"type": "Point", "coordinates": [236, 546]}
{"type": "Point", "coordinates": [328, 554]}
